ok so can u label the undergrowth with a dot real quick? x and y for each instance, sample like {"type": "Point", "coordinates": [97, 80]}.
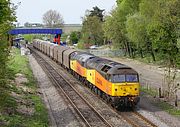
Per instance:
{"type": "Point", "coordinates": [167, 107]}
{"type": "Point", "coordinates": [9, 117]}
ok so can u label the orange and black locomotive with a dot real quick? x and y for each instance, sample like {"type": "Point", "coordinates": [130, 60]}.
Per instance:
{"type": "Point", "coordinates": [116, 83]}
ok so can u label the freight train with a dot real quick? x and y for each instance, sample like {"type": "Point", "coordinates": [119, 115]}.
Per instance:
{"type": "Point", "coordinates": [116, 83]}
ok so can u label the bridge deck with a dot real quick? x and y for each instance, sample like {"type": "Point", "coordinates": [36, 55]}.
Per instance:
{"type": "Point", "coordinates": [35, 31]}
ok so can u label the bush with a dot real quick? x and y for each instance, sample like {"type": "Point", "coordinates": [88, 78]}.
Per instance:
{"type": "Point", "coordinates": [81, 45]}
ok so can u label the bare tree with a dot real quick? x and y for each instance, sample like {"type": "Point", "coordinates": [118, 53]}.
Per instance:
{"type": "Point", "coordinates": [170, 84]}
{"type": "Point", "coordinates": [26, 24]}
{"type": "Point", "coordinates": [53, 19]}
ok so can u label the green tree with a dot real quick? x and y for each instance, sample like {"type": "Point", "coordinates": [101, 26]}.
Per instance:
{"type": "Point", "coordinates": [7, 16]}
{"type": "Point", "coordinates": [92, 32]}
{"type": "Point", "coordinates": [147, 26]}
{"type": "Point", "coordinates": [164, 32]}
{"type": "Point", "coordinates": [74, 37]}
{"type": "Point", "coordinates": [156, 26]}
{"type": "Point", "coordinates": [92, 27]}
{"type": "Point", "coordinates": [147, 11]}
{"type": "Point", "coordinates": [112, 31]}
{"type": "Point", "coordinates": [162, 26]}
{"type": "Point", "coordinates": [97, 12]}
{"type": "Point", "coordinates": [150, 27]}
{"type": "Point", "coordinates": [116, 22]}
{"type": "Point", "coordinates": [136, 32]}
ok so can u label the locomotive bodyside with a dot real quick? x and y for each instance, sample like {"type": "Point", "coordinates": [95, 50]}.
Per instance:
{"type": "Point", "coordinates": [101, 75]}
{"type": "Point", "coordinates": [77, 63]}
{"type": "Point", "coordinates": [119, 82]}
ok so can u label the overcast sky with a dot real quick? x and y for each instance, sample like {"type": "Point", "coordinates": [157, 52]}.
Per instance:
{"type": "Point", "coordinates": [71, 10]}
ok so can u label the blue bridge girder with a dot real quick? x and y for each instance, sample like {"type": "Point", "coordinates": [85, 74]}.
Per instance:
{"type": "Point", "coordinates": [35, 31]}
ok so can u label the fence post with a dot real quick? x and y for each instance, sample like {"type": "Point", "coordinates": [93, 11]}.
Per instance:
{"type": "Point", "coordinates": [160, 93]}
{"type": "Point", "coordinates": [147, 86]}
{"type": "Point", "coordinates": [176, 101]}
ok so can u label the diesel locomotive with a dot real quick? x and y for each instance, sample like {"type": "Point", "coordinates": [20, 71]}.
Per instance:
{"type": "Point", "coordinates": [116, 83]}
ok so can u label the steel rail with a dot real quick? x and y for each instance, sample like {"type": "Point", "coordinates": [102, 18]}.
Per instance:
{"type": "Point", "coordinates": [57, 84]}
{"type": "Point", "coordinates": [145, 119]}
{"type": "Point", "coordinates": [136, 119]}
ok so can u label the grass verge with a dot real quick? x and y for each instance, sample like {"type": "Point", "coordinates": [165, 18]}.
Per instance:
{"type": "Point", "coordinates": [160, 103]}
{"type": "Point", "coordinates": [39, 117]}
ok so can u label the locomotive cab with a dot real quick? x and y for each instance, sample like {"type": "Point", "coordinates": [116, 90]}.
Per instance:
{"type": "Point", "coordinates": [123, 82]}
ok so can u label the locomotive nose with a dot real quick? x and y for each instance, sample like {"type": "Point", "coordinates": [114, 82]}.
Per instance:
{"type": "Point", "coordinates": [126, 93]}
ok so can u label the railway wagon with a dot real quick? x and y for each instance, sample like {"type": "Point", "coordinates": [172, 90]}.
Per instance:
{"type": "Point", "coordinates": [40, 45]}
{"type": "Point", "coordinates": [60, 52]}
{"type": "Point", "coordinates": [37, 43]}
{"type": "Point", "coordinates": [43, 43]}
{"type": "Point", "coordinates": [48, 48]}
{"type": "Point", "coordinates": [56, 48]}
{"type": "Point", "coordinates": [43, 46]}
{"type": "Point", "coordinates": [34, 44]}
{"type": "Point", "coordinates": [66, 57]}
{"type": "Point", "coordinates": [52, 50]}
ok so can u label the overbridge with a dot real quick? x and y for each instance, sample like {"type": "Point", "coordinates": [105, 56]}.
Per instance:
{"type": "Point", "coordinates": [55, 31]}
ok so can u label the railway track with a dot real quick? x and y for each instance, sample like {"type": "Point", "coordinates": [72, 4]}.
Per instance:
{"type": "Point", "coordinates": [133, 118]}
{"type": "Point", "coordinates": [84, 109]}
{"type": "Point", "coordinates": [136, 119]}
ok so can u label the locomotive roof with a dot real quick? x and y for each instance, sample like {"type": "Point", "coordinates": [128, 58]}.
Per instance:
{"type": "Point", "coordinates": [109, 66]}
{"type": "Point", "coordinates": [84, 56]}
{"type": "Point", "coordinates": [121, 70]}
{"type": "Point", "coordinates": [92, 63]}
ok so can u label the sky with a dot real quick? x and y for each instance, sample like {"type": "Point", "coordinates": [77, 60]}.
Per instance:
{"type": "Point", "coordinates": [72, 10]}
